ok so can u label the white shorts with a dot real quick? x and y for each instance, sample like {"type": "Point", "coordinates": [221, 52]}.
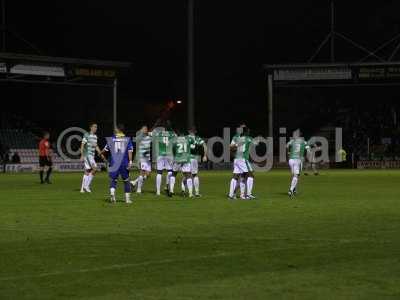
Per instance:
{"type": "Point", "coordinates": [295, 165]}
{"type": "Point", "coordinates": [145, 165]}
{"type": "Point", "coordinates": [164, 163]}
{"type": "Point", "coordinates": [194, 166]}
{"type": "Point", "coordinates": [90, 163]}
{"type": "Point", "coordinates": [184, 167]}
{"type": "Point", "coordinates": [241, 165]}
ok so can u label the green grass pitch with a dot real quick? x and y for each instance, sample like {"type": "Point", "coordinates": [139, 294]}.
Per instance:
{"type": "Point", "coordinates": [339, 239]}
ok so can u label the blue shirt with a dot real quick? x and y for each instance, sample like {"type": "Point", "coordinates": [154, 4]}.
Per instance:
{"type": "Point", "coordinates": [119, 147]}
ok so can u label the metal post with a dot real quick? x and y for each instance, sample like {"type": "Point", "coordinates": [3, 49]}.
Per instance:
{"type": "Point", "coordinates": [270, 106]}
{"type": "Point", "coordinates": [190, 64]}
{"type": "Point", "coordinates": [115, 103]}
{"type": "Point", "coordinates": [332, 31]}
{"type": "Point", "coordinates": [3, 25]}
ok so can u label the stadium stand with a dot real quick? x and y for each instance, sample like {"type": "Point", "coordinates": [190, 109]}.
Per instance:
{"type": "Point", "coordinates": [369, 132]}
{"type": "Point", "coordinates": [23, 142]}
{"type": "Point", "coordinates": [18, 139]}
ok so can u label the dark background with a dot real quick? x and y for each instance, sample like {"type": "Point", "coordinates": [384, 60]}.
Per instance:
{"type": "Point", "coordinates": [232, 42]}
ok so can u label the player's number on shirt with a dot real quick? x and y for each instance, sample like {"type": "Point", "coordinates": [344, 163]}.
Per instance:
{"type": "Point", "coordinates": [119, 146]}
{"type": "Point", "coordinates": [181, 148]}
{"type": "Point", "coordinates": [165, 140]}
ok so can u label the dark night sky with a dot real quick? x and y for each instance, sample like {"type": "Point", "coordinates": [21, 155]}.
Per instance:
{"type": "Point", "coordinates": [233, 40]}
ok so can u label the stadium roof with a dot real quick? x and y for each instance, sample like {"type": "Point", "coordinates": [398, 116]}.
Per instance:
{"type": "Point", "coordinates": [59, 70]}
{"type": "Point", "coordinates": [62, 71]}
{"type": "Point", "coordinates": [335, 74]}
{"type": "Point", "coordinates": [328, 65]}
{"type": "Point", "coordinates": [386, 73]}
{"type": "Point", "coordinates": [63, 60]}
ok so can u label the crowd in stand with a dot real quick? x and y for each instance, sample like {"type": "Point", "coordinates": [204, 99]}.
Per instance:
{"type": "Point", "coordinates": [13, 124]}
{"type": "Point", "coordinates": [371, 134]}
{"type": "Point", "coordinates": [371, 129]}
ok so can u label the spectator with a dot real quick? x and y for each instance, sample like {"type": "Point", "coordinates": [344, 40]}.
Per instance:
{"type": "Point", "coordinates": [342, 163]}
{"type": "Point", "coordinates": [15, 159]}
{"type": "Point", "coordinates": [6, 155]}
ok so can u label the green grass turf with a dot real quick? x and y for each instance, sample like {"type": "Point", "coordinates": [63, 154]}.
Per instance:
{"type": "Point", "coordinates": [340, 239]}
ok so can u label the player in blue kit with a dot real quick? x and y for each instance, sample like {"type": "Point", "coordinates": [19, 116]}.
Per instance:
{"type": "Point", "coordinates": [120, 161]}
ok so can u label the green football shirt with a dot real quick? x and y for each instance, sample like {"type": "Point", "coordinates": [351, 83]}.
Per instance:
{"type": "Point", "coordinates": [90, 144]}
{"type": "Point", "coordinates": [195, 143]}
{"type": "Point", "coordinates": [144, 147]}
{"type": "Point", "coordinates": [297, 148]}
{"type": "Point", "coordinates": [164, 140]}
{"type": "Point", "coordinates": [243, 144]}
{"type": "Point", "coordinates": [181, 149]}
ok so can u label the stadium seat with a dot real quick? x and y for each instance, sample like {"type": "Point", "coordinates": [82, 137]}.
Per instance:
{"type": "Point", "coordinates": [24, 143]}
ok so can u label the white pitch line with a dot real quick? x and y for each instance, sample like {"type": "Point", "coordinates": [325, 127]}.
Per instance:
{"type": "Point", "coordinates": [164, 261]}
{"type": "Point", "coordinates": [114, 267]}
